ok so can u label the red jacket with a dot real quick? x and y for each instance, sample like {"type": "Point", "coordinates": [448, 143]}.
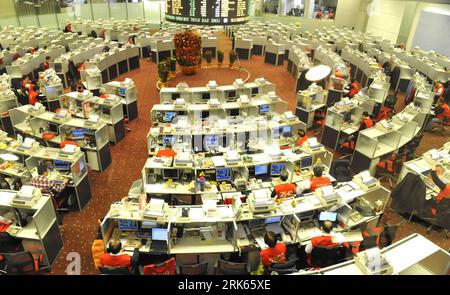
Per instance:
{"type": "Point", "coordinates": [166, 153]}
{"type": "Point", "coordinates": [115, 260]}
{"type": "Point", "coordinates": [317, 182]}
{"type": "Point", "coordinates": [354, 88]}
{"type": "Point", "coordinates": [284, 187]}
{"type": "Point", "coordinates": [276, 254]}
{"type": "Point", "coordinates": [440, 89]}
{"type": "Point", "coordinates": [46, 65]}
{"type": "Point", "coordinates": [63, 143]}
{"type": "Point", "coordinates": [446, 113]}
{"type": "Point", "coordinates": [301, 140]}
{"type": "Point", "coordinates": [445, 193]}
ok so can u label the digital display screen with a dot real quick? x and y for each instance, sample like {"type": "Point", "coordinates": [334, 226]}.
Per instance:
{"type": "Point", "coordinates": [272, 219]}
{"type": "Point", "coordinates": [264, 109]}
{"type": "Point", "coordinates": [206, 96]}
{"type": "Point", "coordinates": [211, 140]}
{"type": "Point", "coordinates": [223, 174]}
{"type": "Point", "coordinates": [61, 165]}
{"type": "Point", "coordinates": [122, 91]}
{"type": "Point", "coordinates": [207, 12]}
{"type": "Point", "coordinates": [306, 162]}
{"type": "Point", "coordinates": [169, 138]}
{"type": "Point", "coordinates": [276, 168]}
{"type": "Point", "coordinates": [255, 91]}
{"type": "Point", "coordinates": [159, 234]}
{"type": "Point", "coordinates": [78, 134]}
{"type": "Point", "coordinates": [125, 224]}
{"type": "Point", "coordinates": [261, 170]}
{"type": "Point", "coordinates": [168, 116]}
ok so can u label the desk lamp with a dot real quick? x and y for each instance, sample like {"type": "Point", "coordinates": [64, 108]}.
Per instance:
{"type": "Point", "coordinates": [9, 159]}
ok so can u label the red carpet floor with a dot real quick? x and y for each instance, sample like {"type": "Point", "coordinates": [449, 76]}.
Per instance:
{"type": "Point", "coordinates": [79, 228]}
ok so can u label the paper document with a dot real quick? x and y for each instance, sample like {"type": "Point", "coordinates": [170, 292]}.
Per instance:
{"type": "Point", "coordinates": [218, 161]}
{"type": "Point", "coordinates": [27, 191]}
{"type": "Point", "coordinates": [365, 176]}
{"type": "Point", "coordinates": [156, 204]}
{"type": "Point", "coordinates": [226, 212]}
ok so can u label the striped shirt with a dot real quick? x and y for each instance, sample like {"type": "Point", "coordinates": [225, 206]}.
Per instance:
{"type": "Point", "coordinates": [46, 185]}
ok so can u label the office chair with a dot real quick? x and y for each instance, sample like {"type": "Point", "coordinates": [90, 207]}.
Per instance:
{"type": "Point", "coordinates": [117, 270]}
{"type": "Point", "coordinates": [326, 256]}
{"type": "Point", "coordinates": [292, 251]}
{"type": "Point", "coordinates": [224, 267]}
{"type": "Point", "coordinates": [390, 168]}
{"type": "Point", "coordinates": [283, 268]}
{"type": "Point", "coordinates": [193, 269]}
{"type": "Point", "coordinates": [340, 169]}
{"type": "Point", "coordinates": [167, 267]}
{"type": "Point", "coordinates": [23, 263]}
{"type": "Point", "coordinates": [368, 242]}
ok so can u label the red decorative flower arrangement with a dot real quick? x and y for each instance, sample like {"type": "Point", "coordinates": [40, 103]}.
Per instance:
{"type": "Point", "coordinates": [188, 48]}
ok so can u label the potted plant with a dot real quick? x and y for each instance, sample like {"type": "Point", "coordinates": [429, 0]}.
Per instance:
{"type": "Point", "coordinates": [233, 57]}
{"type": "Point", "coordinates": [220, 56]}
{"type": "Point", "coordinates": [163, 73]}
{"type": "Point", "coordinates": [208, 57]}
{"type": "Point", "coordinates": [188, 49]}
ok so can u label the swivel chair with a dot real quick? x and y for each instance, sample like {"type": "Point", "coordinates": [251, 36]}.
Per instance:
{"type": "Point", "coordinates": [118, 270]}
{"type": "Point", "coordinates": [283, 268]}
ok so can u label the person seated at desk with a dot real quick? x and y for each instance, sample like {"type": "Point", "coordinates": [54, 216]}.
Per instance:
{"type": "Point", "coordinates": [80, 87]}
{"type": "Point", "coordinates": [442, 112]}
{"type": "Point", "coordinates": [325, 240]}
{"type": "Point", "coordinates": [441, 204]}
{"type": "Point", "coordinates": [114, 257]}
{"type": "Point", "coordinates": [46, 185]}
{"type": "Point", "coordinates": [68, 28]}
{"type": "Point", "coordinates": [439, 90]}
{"type": "Point", "coordinates": [301, 137]}
{"type": "Point", "coordinates": [167, 151]}
{"type": "Point", "coordinates": [32, 94]}
{"type": "Point", "coordinates": [68, 140]}
{"type": "Point", "coordinates": [318, 180]}
{"type": "Point", "coordinates": [353, 89]}
{"type": "Point", "coordinates": [366, 121]}
{"type": "Point", "coordinates": [285, 189]}
{"type": "Point", "coordinates": [46, 64]}
{"type": "Point", "coordinates": [276, 253]}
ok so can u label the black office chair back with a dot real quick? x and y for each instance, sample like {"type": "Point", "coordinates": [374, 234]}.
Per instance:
{"type": "Point", "coordinates": [9, 244]}
{"type": "Point", "coordinates": [232, 268]}
{"type": "Point", "coordinates": [284, 268]}
{"type": "Point", "coordinates": [340, 169]}
{"type": "Point", "coordinates": [387, 236]}
{"type": "Point", "coordinates": [368, 242]}
{"type": "Point", "coordinates": [193, 269]}
{"type": "Point", "coordinates": [292, 251]}
{"type": "Point", "coordinates": [20, 263]}
{"type": "Point", "coordinates": [326, 256]}
{"type": "Point", "coordinates": [118, 270]}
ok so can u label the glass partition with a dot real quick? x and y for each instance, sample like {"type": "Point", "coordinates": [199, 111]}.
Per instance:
{"type": "Point", "coordinates": [322, 9]}
{"type": "Point", "coordinates": [100, 9]}
{"type": "Point", "coordinates": [154, 11]}
{"type": "Point", "coordinates": [8, 16]}
{"type": "Point", "coordinates": [119, 9]}
{"type": "Point", "coordinates": [135, 9]}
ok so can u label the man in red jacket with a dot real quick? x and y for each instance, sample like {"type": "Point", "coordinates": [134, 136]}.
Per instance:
{"type": "Point", "coordinates": [354, 88]}
{"type": "Point", "coordinates": [167, 151]}
{"type": "Point", "coordinates": [366, 121]}
{"type": "Point", "coordinates": [114, 257]}
{"type": "Point", "coordinates": [318, 180]}
{"type": "Point", "coordinates": [442, 112]}
{"type": "Point", "coordinates": [284, 189]}
{"type": "Point", "coordinates": [276, 253]}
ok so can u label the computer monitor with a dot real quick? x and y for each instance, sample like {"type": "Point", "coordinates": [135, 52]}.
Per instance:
{"type": "Point", "coordinates": [261, 170]}
{"type": "Point", "coordinates": [275, 219]}
{"type": "Point", "coordinates": [264, 109]}
{"type": "Point", "coordinates": [206, 96]}
{"type": "Point", "coordinates": [223, 174]}
{"type": "Point", "coordinates": [175, 96]}
{"type": "Point", "coordinates": [276, 168]}
{"type": "Point", "coordinates": [347, 116]}
{"type": "Point", "coordinates": [52, 127]}
{"type": "Point", "coordinates": [78, 133]}
{"type": "Point", "coordinates": [285, 129]}
{"type": "Point", "coordinates": [328, 216]}
{"type": "Point", "coordinates": [126, 224]}
{"type": "Point", "coordinates": [343, 214]}
{"type": "Point", "coordinates": [61, 165]}
{"type": "Point", "coordinates": [197, 144]}
{"type": "Point", "coordinates": [232, 94]}
{"type": "Point", "coordinates": [234, 112]}
{"type": "Point", "coordinates": [106, 111]}
{"type": "Point", "coordinates": [58, 67]}
{"type": "Point", "coordinates": [122, 91]}
{"type": "Point", "coordinates": [168, 116]}
{"type": "Point", "coordinates": [79, 103]}
{"type": "Point", "coordinates": [211, 140]}
{"type": "Point", "coordinates": [159, 234]}
{"type": "Point", "coordinates": [168, 138]}
{"type": "Point", "coordinates": [171, 174]}
{"type": "Point", "coordinates": [255, 91]}
{"type": "Point", "coordinates": [205, 114]}
{"type": "Point", "coordinates": [306, 162]}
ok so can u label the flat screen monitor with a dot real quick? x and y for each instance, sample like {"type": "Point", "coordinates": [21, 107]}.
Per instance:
{"type": "Point", "coordinates": [206, 96]}
{"type": "Point", "coordinates": [168, 138]}
{"type": "Point", "coordinates": [122, 91]}
{"type": "Point", "coordinates": [328, 216]}
{"type": "Point", "coordinates": [343, 214]}
{"type": "Point", "coordinates": [205, 114]}
{"type": "Point", "coordinates": [234, 112]}
{"type": "Point", "coordinates": [232, 94]}
{"type": "Point", "coordinates": [52, 127]}
{"type": "Point", "coordinates": [255, 91]}
{"type": "Point", "coordinates": [264, 109]}
{"type": "Point", "coordinates": [125, 224]}
{"type": "Point", "coordinates": [276, 168]}
{"type": "Point", "coordinates": [347, 117]}
{"type": "Point", "coordinates": [306, 162]}
{"type": "Point", "coordinates": [211, 140]}
{"type": "Point", "coordinates": [197, 144]}
{"type": "Point", "coordinates": [159, 234]}
{"type": "Point", "coordinates": [106, 111]}
{"type": "Point", "coordinates": [79, 103]}
{"type": "Point", "coordinates": [77, 133]}
{"type": "Point", "coordinates": [175, 96]}
{"type": "Point", "coordinates": [168, 116]}
{"type": "Point", "coordinates": [285, 129]}
{"type": "Point", "coordinates": [223, 174]}
{"type": "Point", "coordinates": [61, 165]}
{"type": "Point", "coordinates": [275, 219]}
{"type": "Point", "coordinates": [261, 170]}
{"type": "Point", "coordinates": [171, 174]}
